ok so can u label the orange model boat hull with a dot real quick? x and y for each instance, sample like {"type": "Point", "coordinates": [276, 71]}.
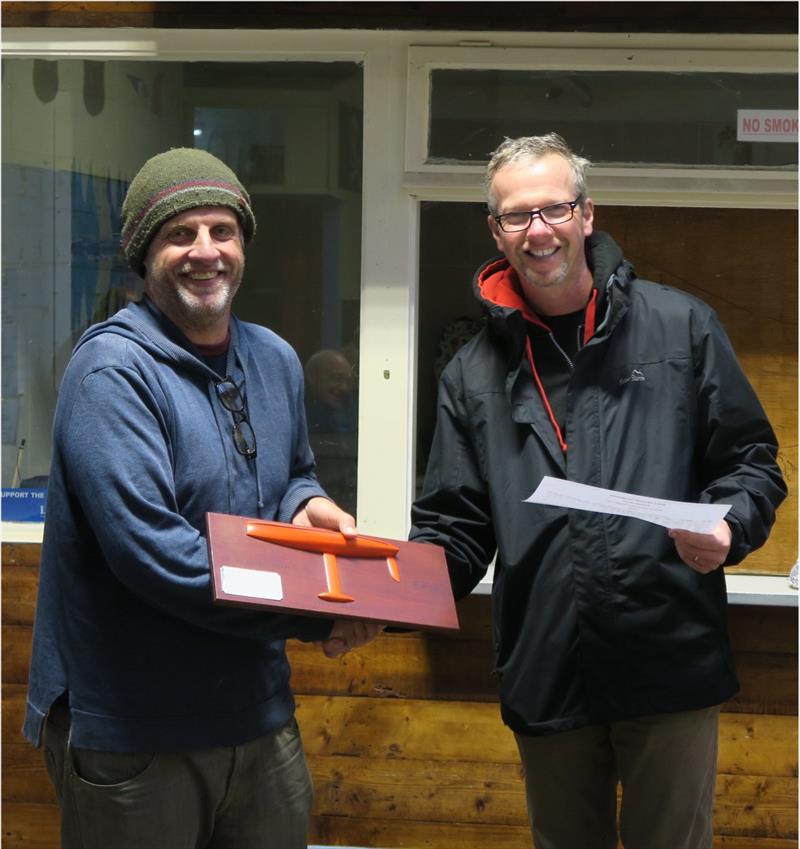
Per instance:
{"type": "Point", "coordinates": [321, 540]}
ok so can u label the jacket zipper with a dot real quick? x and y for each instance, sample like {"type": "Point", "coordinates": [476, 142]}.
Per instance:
{"type": "Point", "coordinates": [562, 351]}
{"type": "Point", "coordinates": [585, 333]}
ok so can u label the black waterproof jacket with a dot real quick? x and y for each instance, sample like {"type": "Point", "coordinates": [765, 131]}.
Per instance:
{"type": "Point", "coordinates": [595, 617]}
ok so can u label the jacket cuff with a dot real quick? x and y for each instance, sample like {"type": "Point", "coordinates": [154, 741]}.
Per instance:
{"type": "Point", "coordinates": [296, 499]}
{"type": "Point", "coordinates": [740, 547]}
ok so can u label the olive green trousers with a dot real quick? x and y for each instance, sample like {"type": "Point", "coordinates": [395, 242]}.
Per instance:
{"type": "Point", "coordinates": [666, 765]}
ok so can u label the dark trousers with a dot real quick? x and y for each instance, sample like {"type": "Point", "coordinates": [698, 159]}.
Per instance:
{"type": "Point", "coordinates": [666, 764]}
{"type": "Point", "coordinates": [254, 796]}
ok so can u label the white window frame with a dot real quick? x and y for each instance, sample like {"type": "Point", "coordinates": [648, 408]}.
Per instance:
{"type": "Point", "coordinates": [613, 184]}
{"type": "Point", "coordinates": [395, 181]}
{"type": "Point", "coordinates": [389, 213]}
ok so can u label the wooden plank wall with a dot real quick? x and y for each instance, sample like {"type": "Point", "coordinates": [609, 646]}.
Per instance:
{"type": "Point", "coordinates": [405, 743]}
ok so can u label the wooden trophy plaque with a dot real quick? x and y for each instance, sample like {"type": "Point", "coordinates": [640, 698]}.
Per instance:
{"type": "Point", "coordinates": [290, 569]}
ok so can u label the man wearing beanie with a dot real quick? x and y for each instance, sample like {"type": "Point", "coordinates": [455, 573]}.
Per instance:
{"type": "Point", "coordinates": [167, 721]}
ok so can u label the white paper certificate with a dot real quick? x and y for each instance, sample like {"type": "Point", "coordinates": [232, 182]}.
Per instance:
{"type": "Point", "coordinates": [683, 515]}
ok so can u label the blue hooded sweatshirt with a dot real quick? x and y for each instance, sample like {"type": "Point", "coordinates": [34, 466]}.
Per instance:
{"type": "Point", "coordinates": [125, 625]}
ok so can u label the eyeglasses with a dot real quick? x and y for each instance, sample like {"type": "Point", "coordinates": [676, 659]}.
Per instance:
{"type": "Point", "coordinates": [555, 213]}
{"type": "Point", "coordinates": [232, 400]}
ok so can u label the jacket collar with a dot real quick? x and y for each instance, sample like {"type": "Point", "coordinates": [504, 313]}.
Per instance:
{"type": "Point", "coordinates": [497, 287]}
{"type": "Point", "coordinates": [147, 326]}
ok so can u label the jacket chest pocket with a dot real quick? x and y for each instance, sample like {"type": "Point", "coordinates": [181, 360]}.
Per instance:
{"type": "Point", "coordinates": [644, 414]}
{"type": "Point", "coordinates": [657, 384]}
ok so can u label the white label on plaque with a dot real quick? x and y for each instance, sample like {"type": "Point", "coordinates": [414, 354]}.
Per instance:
{"type": "Point", "coordinates": [252, 583]}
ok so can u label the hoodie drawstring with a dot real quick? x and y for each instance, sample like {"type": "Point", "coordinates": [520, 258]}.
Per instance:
{"type": "Point", "coordinates": [259, 493]}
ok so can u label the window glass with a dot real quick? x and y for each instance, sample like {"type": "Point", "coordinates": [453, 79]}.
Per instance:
{"type": "Point", "coordinates": [685, 119]}
{"type": "Point", "coordinates": [291, 131]}
{"type": "Point", "coordinates": [704, 252]}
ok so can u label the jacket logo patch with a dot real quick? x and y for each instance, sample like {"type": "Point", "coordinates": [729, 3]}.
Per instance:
{"type": "Point", "coordinates": [634, 377]}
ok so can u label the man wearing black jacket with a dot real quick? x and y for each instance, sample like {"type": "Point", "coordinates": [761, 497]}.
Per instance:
{"type": "Point", "coordinates": [611, 646]}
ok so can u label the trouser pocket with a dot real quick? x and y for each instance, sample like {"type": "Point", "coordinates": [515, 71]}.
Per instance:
{"type": "Point", "coordinates": [107, 768]}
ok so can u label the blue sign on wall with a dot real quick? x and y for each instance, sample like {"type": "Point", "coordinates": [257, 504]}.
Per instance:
{"type": "Point", "coordinates": [24, 505]}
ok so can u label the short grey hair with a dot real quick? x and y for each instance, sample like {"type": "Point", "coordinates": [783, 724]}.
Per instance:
{"type": "Point", "coordinates": [532, 148]}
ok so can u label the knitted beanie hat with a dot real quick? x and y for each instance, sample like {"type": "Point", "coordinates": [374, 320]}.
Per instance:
{"type": "Point", "coordinates": [170, 183]}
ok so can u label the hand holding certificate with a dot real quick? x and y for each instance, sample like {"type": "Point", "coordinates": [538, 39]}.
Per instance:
{"type": "Point", "coordinates": [702, 538]}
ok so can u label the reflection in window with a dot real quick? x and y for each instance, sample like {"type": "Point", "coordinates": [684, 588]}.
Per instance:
{"type": "Point", "coordinates": [332, 412]}
{"type": "Point", "coordinates": [449, 313]}
{"type": "Point", "coordinates": [292, 131]}
{"type": "Point", "coordinates": [704, 252]}
{"type": "Point", "coordinates": [615, 116]}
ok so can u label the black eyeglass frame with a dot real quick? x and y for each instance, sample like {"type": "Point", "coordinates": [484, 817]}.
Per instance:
{"type": "Point", "coordinates": [231, 398]}
{"type": "Point", "coordinates": [541, 213]}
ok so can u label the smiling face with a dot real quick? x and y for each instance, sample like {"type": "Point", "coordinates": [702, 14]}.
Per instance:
{"type": "Point", "coordinates": [549, 259]}
{"type": "Point", "coordinates": [194, 267]}
{"type": "Point", "coordinates": [331, 378]}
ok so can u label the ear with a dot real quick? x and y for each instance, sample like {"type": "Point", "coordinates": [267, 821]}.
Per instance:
{"type": "Point", "coordinates": [497, 233]}
{"type": "Point", "coordinates": [587, 213]}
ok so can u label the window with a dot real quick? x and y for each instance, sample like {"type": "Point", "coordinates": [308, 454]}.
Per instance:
{"type": "Point", "coordinates": [697, 250]}
{"type": "Point", "coordinates": [291, 131]}
{"type": "Point", "coordinates": [685, 119]}
{"type": "Point", "coordinates": [390, 296]}
{"type": "Point", "coordinates": [659, 118]}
